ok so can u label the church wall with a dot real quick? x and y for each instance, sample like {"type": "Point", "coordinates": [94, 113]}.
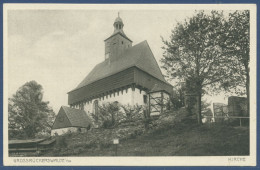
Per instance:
{"type": "Point", "coordinates": [139, 96]}
{"type": "Point", "coordinates": [125, 97]}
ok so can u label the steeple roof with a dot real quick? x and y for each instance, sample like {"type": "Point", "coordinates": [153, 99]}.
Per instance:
{"type": "Point", "coordinates": [118, 19]}
{"type": "Point", "coordinates": [118, 28]}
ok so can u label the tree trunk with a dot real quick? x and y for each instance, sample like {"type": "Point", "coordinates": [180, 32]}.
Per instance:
{"type": "Point", "coordinates": [248, 90]}
{"type": "Point", "coordinates": [199, 107]}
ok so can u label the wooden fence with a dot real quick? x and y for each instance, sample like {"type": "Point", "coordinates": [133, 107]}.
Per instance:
{"type": "Point", "coordinates": [229, 117]}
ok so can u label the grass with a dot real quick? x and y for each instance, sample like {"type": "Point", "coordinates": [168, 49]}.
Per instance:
{"type": "Point", "coordinates": [183, 139]}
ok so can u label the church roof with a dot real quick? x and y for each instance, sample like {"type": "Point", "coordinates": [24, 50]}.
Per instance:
{"type": "Point", "coordinates": [139, 55]}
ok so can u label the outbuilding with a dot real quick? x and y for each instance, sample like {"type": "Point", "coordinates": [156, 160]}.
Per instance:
{"type": "Point", "coordinates": [70, 120]}
{"type": "Point", "coordinates": [159, 100]}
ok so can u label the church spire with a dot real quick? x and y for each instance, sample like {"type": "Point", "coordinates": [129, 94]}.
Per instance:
{"type": "Point", "coordinates": [118, 25]}
{"type": "Point", "coordinates": [117, 43]}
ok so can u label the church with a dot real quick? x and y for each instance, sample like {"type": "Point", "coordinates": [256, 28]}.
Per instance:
{"type": "Point", "coordinates": [126, 75]}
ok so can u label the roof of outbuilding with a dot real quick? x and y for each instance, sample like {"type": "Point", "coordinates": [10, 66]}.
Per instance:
{"type": "Point", "coordinates": [25, 141]}
{"type": "Point", "coordinates": [139, 55]}
{"type": "Point", "coordinates": [77, 117]}
{"type": "Point", "coordinates": [157, 88]}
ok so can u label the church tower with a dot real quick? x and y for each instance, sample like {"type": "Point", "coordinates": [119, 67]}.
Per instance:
{"type": "Point", "coordinates": [117, 42]}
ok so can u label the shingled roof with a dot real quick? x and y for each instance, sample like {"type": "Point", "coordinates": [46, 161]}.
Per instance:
{"type": "Point", "coordinates": [121, 32]}
{"type": "Point", "coordinates": [69, 117]}
{"type": "Point", "coordinates": [139, 55]}
{"type": "Point", "coordinates": [157, 88]}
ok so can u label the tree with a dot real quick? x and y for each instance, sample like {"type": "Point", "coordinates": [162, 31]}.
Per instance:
{"type": "Point", "coordinates": [178, 97]}
{"type": "Point", "coordinates": [27, 113]}
{"type": "Point", "coordinates": [237, 47]}
{"type": "Point", "coordinates": [194, 53]}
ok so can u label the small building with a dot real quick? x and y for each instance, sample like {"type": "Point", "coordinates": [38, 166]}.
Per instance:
{"type": "Point", "coordinates": [70, 120]}
{"type": "Point", "coordinates": [159, 100]}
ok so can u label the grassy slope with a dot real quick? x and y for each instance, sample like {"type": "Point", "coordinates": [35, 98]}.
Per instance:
{"type": "Point", "coordinates": [184, 139]}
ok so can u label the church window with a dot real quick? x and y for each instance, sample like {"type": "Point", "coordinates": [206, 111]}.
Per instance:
{"type": "Point", "coordinates": [122, 42]}
{"type": "Point", "coordinates": [145, 99]}
{"type": "Point", "coordinates": [95, 107]}
{"type": "Point", "coordinates": [107, 56]}
{"type": "Point", "coordinates": [81, 106]}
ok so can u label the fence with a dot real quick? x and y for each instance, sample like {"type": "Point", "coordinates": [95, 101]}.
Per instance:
{"type": "Point", "coordinates": [227, 118]}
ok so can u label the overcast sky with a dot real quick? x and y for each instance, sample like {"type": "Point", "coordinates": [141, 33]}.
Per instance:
{"type": "Point", "coordinates": [58, 48]}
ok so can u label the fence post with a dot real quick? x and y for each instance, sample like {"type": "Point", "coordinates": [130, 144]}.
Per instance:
{"type": "Point", "coordinates": [240, 122]}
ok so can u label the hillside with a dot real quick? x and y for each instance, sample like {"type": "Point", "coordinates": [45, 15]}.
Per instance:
{"type": "Point", "coordinates": [181, 139]}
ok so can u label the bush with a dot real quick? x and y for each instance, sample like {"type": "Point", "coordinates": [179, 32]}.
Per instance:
{"type": "Point", "coordinates": [112, 114]}
{"type": "Point", "coordinates": [61, 142]}
{"type": "Point", "coordinates": [107, 115]}
{"type": "Point", "coordinates": [132, 113]}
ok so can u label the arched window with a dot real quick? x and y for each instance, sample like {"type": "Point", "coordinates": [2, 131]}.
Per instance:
{"type": "Point", "coordinates": [95, 107]}
{"type": "Point", "coordinates": [145, 99]}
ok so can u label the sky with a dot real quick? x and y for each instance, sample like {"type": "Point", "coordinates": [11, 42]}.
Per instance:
{"type": "Point", "coordinates": [58, 48]}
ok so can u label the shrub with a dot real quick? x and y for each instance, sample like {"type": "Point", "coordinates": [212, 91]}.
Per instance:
{"type": "Point", "coordinates": [61, 142]}
{"type": "Point", "coordinates": [132, 113]}
{"type": "Point", "coordinates": [107, 115]}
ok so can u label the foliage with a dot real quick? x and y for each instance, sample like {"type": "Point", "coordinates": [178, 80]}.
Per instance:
{"type": "Point", "coordinates": [178, 97]}
{"type": "Point", "coordinates": [237, 48]}
{"type": "Point", "coordinates": [182, 138]}
{"type": "Point", "coordinates": [108, 115]}
{"type": "Point", "coordinates": [27, 113]}
{"type": "Point", "coordinates": [61, 141]}
{"type": "Point", "coordinates": [132, 112]}
{"type": "Point", "coordinates": [194, 53]}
